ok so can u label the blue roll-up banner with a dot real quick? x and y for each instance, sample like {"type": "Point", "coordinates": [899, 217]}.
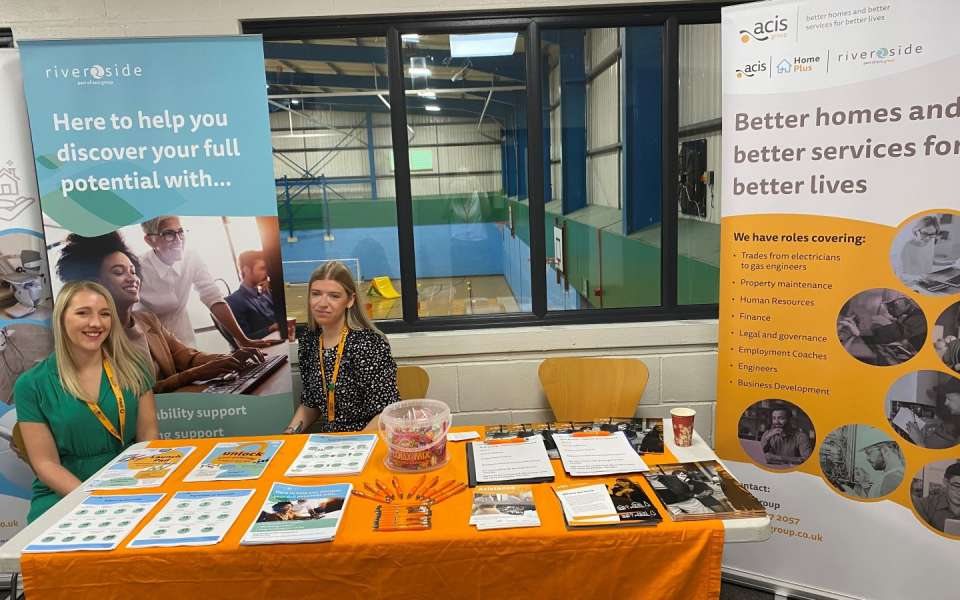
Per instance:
{"type": "Point", "coordinates": [25, 299]}
{"type": "Point", "coordinates": [126, 131]}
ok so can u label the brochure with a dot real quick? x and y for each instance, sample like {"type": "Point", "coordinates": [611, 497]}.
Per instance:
{"type": "Point", "coordinates": [193, 519]}
{"type": "Point", "coordinates": [523, 460]}
{"type": "Point", "coordinates": [97, 523]}
{"type": "Point", "coordinates": [587, 505]}
{"type": "Point", "coordinates": [333, 455]}
{"type": "Point", "coordinates": [592, 453]}
{"type": "Point", "coordinates": [503, 507]}
{"type": "Point", "coordinates": [145, 468]}
{"type": "Point", "coordinates": [702, 490]}
{"type": "Point", "coordinates": [632, 503]}
{"type": "Point", "coordinates": [299, 513]}
{"type": "Point", "coordinates": [232, 461]}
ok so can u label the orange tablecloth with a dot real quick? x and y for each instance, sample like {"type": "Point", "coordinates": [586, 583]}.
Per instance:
{"type": "Point", "coordinates": [453, 559]}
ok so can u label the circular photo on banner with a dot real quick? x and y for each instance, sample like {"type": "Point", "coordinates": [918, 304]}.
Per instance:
{"type": "Point", "coordinates": [946, 337]}
{"type": "Point", "coordinates": [861, 461]}
{"type": "Point", "coordinates": [776, 434]}
{"type": "Point", "coordinates": [881, 327]}
{"type": "Point", "coordinates": [935, 492]}
{"type": "Point", "coordinates": [925, 253]}
{"type": "Point", "coordinates": [923, 407]}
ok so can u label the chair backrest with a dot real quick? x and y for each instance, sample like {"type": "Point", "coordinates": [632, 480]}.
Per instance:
{"type": "Point", "coordinates": [412, 382]}
{"type": "Point", "coordinates": [17, 436]}
{"type": "Point", "coordinates": [583, 389]}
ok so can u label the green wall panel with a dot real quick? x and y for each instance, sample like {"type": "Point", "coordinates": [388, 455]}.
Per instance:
{"type": "Point", "coordinates": [631, 272]}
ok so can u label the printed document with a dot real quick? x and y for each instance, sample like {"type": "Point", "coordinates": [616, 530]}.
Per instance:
{"type": "Point", "coordinates": [97, 523]}
{"type": "Point", "coordinates": [193, 519]}
{"type": "Point", "coordinates": [232, 461]}
{"type": "Point", "coordinates": [135, 469]}
{"type": "Point", "coordinates": [596, 454]}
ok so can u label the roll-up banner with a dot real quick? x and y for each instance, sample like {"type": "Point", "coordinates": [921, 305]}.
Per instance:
{"type": "Point", "coordinates": [25, 299]}
{"type": "Point", "coordinates": [839, 391]}
{"type": "Point", "coordinates": [155, 176]}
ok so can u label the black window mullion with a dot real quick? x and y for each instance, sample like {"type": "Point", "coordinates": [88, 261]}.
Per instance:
{"type": "Point", "coordinates": [535, 175]}
{"type": "Point", "coordinates": [671, 83]}
{"type": "Point", "coordinates": [401, 173]}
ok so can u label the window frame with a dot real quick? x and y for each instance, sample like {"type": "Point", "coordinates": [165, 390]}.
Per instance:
{"type": "Point", "coordinates": [530, 24]}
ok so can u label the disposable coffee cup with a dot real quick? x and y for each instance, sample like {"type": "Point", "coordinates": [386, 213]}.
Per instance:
{"type": "Point", "coordinates": [683, 426]}
{"type": "Point", "coordinates": [291, 328]}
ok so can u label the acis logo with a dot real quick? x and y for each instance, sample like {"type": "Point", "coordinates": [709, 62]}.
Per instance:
{"type": "Point", "coordinates": [751, 70]}
{"type": "Point", "coordinates": [765, 30]}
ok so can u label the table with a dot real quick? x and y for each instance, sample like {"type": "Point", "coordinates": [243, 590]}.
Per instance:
{"type": "Point", "coordinates": [669, 561]}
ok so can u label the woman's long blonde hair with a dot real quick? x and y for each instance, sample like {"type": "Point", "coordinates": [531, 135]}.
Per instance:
{"type": "Point", "coordinates": [356, 315]}
{"type": "Point", "coordinates": [129, 364]}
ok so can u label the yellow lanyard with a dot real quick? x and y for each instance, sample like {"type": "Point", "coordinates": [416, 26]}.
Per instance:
{"type": "Point", "coordinates": [121, 406]}
{"type": "Point", "coordinates": [332, 386]}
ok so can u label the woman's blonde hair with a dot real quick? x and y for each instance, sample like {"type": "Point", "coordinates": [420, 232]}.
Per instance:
{"type": "Point", "coordinates": [356, 315]}
{"type": "Point", "coordinates": [129, 364]}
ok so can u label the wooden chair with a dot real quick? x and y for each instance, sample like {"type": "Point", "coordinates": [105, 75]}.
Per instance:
{"type": "Point", "coordinates": [412, 382]}
{"type": "Point", "coordinates": [17, 436]}
{"type": "Point", "coordinates": [583, 389]}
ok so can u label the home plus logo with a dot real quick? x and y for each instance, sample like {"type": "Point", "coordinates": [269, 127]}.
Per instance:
{"type": "Point", "coordinates": [762, 31]}
{"type": "Point", "coordinates": [798, 64]}
{"type": "Point", "coordinates": [752, 69]}
{"type": "Point", "coordinates": [96, 74]}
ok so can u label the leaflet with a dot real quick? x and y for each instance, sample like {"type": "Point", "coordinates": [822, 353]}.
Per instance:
{"type": "Point", "coordinates": [97, 523]}
{"type": "Point", "coordinates": [232, 461]}
{"type": "Point", "coordinates": [144, 468]}
{"type": "Point", "coordinates": [333, 455]}
{"type": "Point", "coordinates": [597, 453]}
{"type": "Point", "coordinates": [504, 507]}
{"type": "Point", "coordinates": [193, 519]}
{"type": "Point", "coordinates": [587, 505]}
{"type": "Point", "coordinates": [299, 513]}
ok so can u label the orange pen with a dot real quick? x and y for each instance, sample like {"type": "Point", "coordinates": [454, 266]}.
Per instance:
{"type": "Point", "coordinates": [374, 491]}
{"type": "Point", "coordinates": [515, 440]}
{"type": "Point", "coordinates": [591, 434]}
{"type": "Point", "coordinates": [416, 487]}
{"type": "Point", "coordinates": [427, 489]}
{"type": "Point", "coordinates": [377, 498]}
{"type": "Point", "coordinates": [444, 488]}
{"type": "Point", "coordinates": [386, 491]}
{"type": "Point", "coordinates": [452, 492]}
{"type": "Point", "coordinates": [396, 486]}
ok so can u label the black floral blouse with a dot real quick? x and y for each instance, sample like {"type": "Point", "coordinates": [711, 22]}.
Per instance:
{"type": "Point", "coordinates": [367, 381]}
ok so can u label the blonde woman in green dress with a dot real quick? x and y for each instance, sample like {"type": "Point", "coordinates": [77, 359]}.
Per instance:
{"type": "Point", "coordinates": [85, 403]}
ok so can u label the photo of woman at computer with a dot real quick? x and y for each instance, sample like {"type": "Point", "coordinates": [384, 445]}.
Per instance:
{"type": "Point", "coordinates": [925, 254]}
{"type": "Point", "coordinates": [219, 355]}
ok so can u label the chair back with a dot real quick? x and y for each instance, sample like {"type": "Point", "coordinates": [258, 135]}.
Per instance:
{"type": "Point", "coordinates": [584, 389]}
{"type": "Point", "coordinates": [412, 382]}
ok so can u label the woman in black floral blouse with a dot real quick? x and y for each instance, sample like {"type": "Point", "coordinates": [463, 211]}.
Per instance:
{"type": "Point", "coordinates": [357, 377]}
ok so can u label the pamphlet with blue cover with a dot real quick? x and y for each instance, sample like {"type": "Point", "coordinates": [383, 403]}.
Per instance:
{"type": "Point", "coordinates": [299, 513]}
{"type": "Point", "coordinates": [232, 461]}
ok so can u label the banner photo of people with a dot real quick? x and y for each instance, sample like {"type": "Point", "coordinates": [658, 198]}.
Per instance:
{"type": "Point", "coordinates": [838, 383]}
{"type": "Point", "coordinates": [25, 298]}
{"type": "Point", "coordinates": [155, 178]}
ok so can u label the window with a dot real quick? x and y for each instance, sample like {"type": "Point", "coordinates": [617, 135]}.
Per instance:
{"type": "Point", "coordinates": [494, 170]}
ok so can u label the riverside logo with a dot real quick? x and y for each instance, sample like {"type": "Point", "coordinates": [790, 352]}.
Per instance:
{"type": "Point", "coordinates": [752, 69]}
{"type": "Point", "coordinates": [96, 74]}
{"type": "Point", "coordinates": [879, 55]}
{"type": "Point", "coordinates": [765, 30]}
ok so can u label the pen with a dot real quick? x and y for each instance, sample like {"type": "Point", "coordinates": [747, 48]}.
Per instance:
{"type": "Point", "coordinates": [386, 491]}
{"type": "Point", "coordinates": [414, 489]}
{"type": "Point", "coordinates": [377, 497]}
{"type": "Point", "coordinates": [427, 489]}
{"type": "Point", "coordinates": [396, 486]}
{"type": "Point", "coordinates": [440, 490]}
{"type": "Point", "coordinates": [377, 492]}
{"type": "Point", "coordinates": [453, 492]}
{"type": "Point", "coordinates": [591, 434]}
{"type": "Point", "coordinates": [515, 440]}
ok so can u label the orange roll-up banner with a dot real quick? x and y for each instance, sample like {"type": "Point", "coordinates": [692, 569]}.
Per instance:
{"type": "Point", "coordinates": [839, 341]}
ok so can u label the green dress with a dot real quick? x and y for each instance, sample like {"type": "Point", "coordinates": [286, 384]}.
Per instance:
{"type": "Point", "coordinates": [83, 443]}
